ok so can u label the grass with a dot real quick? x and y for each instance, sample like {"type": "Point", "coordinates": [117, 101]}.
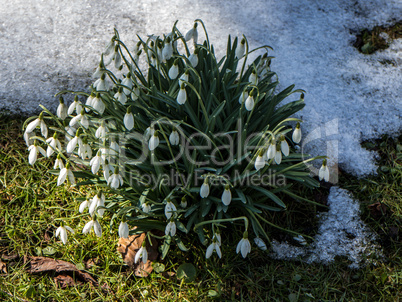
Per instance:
{"type": "Point", "coordinates": [31, 204]}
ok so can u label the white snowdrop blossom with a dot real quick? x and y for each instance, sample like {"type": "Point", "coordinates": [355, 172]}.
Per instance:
{"type": "Point", "coordinates": [296, 136]}
{"type": "Point", "coordinates": [259, 162]}
{"type": "Point", "coordinates": [193, 58]}
{"type": "Point", "coordinates": [170, 208]}
{"type": "Point", "coordinates": [84, 150]}
{"type": "Point", "coordinates": [192, 34]}
{"type": "Point", "coordinates": [85, 204]}
{"type": "Point", "coordinates": [115, 180]}
{"type": "Point", "coordinates": [278, 156]}
{"type": "Point", "coordinates": [323, 173]}
{"type": "Point", "coordinates": [243, 97]}
{"type": "Point", "coordinates": [271, 150]}
{"type": "Point", "coordinates": [260, 243]}
{"type": "Point", "coordinates": [170, 229]}
{"type": "Point", "coordinates": [95, 225]}
{"type": "Point", "coordinates": [174, 138]}
{"type": "Point", "coordinates": [109, 47]}
{"type": "Point", "coordinates": [58, 164]}
{"type": "Point", "coordinates": [33, 153]}
{"type": "Point", "coordinates": [53, 144]}
{"type": "Point", "coordinates": [96, 162]}
{"type": "Point", "coordinates": [183, 78]}
{"type": "Point", "coordinates": [226, 196]}
{"type": "Point", "coordinates": [284, 147]}
{"type": "Point", "coordinates": [129, 119]}
{"type": "Point", "coordinates": [204, 190]}
{"type": "Point", "coordinates": [101, 131]}
{"type": "Point", "coordinates": [61, 111]}
{"type": "Point", "coordinates": [253, 78]}
{"type": "Point", "coordinates": [249, 104]}
{"type": "Point", "coordinates": [114, 148]}
{"type": "Point", "coordinates": [135, 94]}
{"type": "Point", "coordinates": [183, 203]}
{"type": "Point", "coordinates": [62, 232]}
{"type": "Point", "coordinates": [241, 48]}
{"type": "Point", "coordinates": [153, 142]}
{"type": "Point", "coordinates": [120, 96]}
{"type": "Point", "coordinates": [64, 173]}
{"type": "Point", "coordinates": [72, 144]}
{"type": "Point", "coordinates": [173, 71]}
{"type": "Point", "coordinates": [128, 83]}
{"type": "Point", "coordinates": [35, 123]}
{"type": "Point", "coordinates": [141, 253]}
{"type": "Point", "coordinates": [107, 168]}
{"type": "Point", "coordinates": [123, 230]}
{"type": "Point", "coordinates": [218, 237]}
{"type": "Point", "coordinates": [146, 207]}
{"type": "Point", "coordinates": [75, 105]}
{"type": "Point", "coordinates": [149, 132]}
{"type": "Point", "coordinates": [182, 95]}
{"type": "Point", "coordinates": [88, 102]}
{"type": "Point", "coordinates": [244, 247]}
{"type": "Point", "coordinates": [101, 84]}
{"type": "Point", "coordinates": [82, 118]}
{"type": "Point", "coordinates": [214, 246]}
{"type": "Point", "coordinates": [97, 203]}
{"type": "Point", "coordinates": [167, 51]}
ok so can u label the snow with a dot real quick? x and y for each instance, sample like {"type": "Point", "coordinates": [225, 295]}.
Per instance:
{"type": "Point", "coordinates": [341, 232]}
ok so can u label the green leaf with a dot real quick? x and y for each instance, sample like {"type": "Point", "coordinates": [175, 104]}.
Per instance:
{"type": "Point", "coordinates": [187, 272]}
{"type": "Point", "coordinates": [158, 267]}
{"type": "Point", "coordinates": [270, 195]}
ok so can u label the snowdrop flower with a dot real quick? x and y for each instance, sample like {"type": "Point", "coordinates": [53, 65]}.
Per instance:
{"type": "Point", "coordinates": [218, 237]}
{"type": "Point", "coordinates": [204, 190]}
{"type": "Point", "coordinates": [243, 97]}
{"type": "Point", "coordinates": [96, 162]}
{"type": "Point", "coordinates": [73, 143]}
{"type": "Point", "coordinates": [214, 246]}
{"type": "Point", "coordinates": [271, 150]}
{"type": "Point", "coordinates": [227, 196]}
{"type": "Point", "coordinates": [249, 104]}
{"type": "Point", "coordinates": [109, 47]}
{"type": "Point", "coordinates": [38, 122]}
{"type": "Point", "coordinates": [128, 119]}
{"type": "Point", "coordinates": [182, 95]}
{"type": "Point", "coordinates": [58, 164]}
{"type": "Point", "coordinates": [93, 224]}
{"type": "Point", "coordinates": [53, 144]}
{"type": "Point", "coordinates": [102, 131]}
{"type": "Point", "coordinates": [28, 138]}
{"type": "Point", "coordinates": [116, 57]}
{"type": "Point", "coordinates": [170, 229]}
{"type": "Point", "coordinates": [323, 173]}
{"type": "Point", "coordinates": [174, 70]}
{"type": "Point", "coordinates": [114, 148]}
{"type": "Point", "coordinates": [84, 150]}
{"type": "Point", "coordinates": [146, 207]}
{"type": "Point", "coordinates": [240, 50]}
{"type": "Point", "coordinates": [64, 173]}
{"type": "Point", "coordinates": [183, 202]}
{"type": "Point", "coordinates": [62, 110]}
{"type": "Point", "coordinates": [260, 243]}
{"type": "Point", "coordinates": [107, 168]}
{"type": "Point", "coordinates": [170, 208]}
{"type": "Point", "coordinates": [149, 132]}
{"type": "Point", "coordinates": [62, 232]}
{"type": "Point", "coordinates": [259, 162]}
{"type": "Point", "coordinates": [183, 78]}
{"type": "Point", "coordinates": [244, 247]}
{"type": "Point", "coordinates": [137, 47]}
{"type": "Point", "coordinates": [98, 105]}
{"type": "Point", "coordinates": [278, 156]}
{"type": "Point", "coordinates": [153, 141]}
{"type": "Point", "coordinates": [128, 83]}
{"type": "Point", "coordinates": [75, 105]}
{"type": "Point", "coordinates": [159, 51]}
{"type": "Point", "coordinates": [120, 96]}
{"type": "Point", "coordinates": [97, 203]}
{"type": "Point", "coordinates": [101, 84]}
{"type": "Point", "coordinates": [284, 146]}
{"type": "Point", "coordinates": [296, 137]}
{"type": "Point", "coordinates": [193, 58]}
{"type": "Point", "coordinates": [141, 253]}
{"type": "Point", "coordinates": [167, 51]}
{"type": "Point", "coordinates": [33, 153]}
{"type": "Point", "coordinates": [300, 239]}
{"type": "Point", "coordinates": [192, 34]}
{"type": "Point", "coordinates": [85, 204]}
{"type": "Point", "coordinates": [82, 118]}
{"type": "Point", "coordinates": [136, 93]}
{"type": "Point", "coordinates": [174, 138]}
{"type": "Point", "coordinates": [100, 70]}
{"type": "Point", "coordinates": [123, 230]}
{"type": "Point", "coordinates": [115, 180]}
{"type": "Point", "coordinates": [253, 78]}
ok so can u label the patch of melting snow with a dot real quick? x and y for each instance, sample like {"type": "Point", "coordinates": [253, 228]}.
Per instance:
{"type": "Point", "coordinates": [341, 232]}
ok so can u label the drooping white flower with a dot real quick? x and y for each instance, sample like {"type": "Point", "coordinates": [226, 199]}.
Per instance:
{"type": "Point", "coordinates": [323, 173]}
{"type": "Point", "coordinates": [64, 173]}
{"type": "Point", "coordinates": [53, 144]}
{"type": "Point", "coordinates": [38, 122]}
{"type": "Point", "coordinates": [128, 83]}
{"type": "Point", "coordinates": [278, 156]}
{"type": "Point", "coordinates": [167, 51]}
{"type": "Point", "coordinates": [95, 225]}
{"type": "Point", "coordinates": [170, 229]}
{"type": "Point", "coordinates": [62, 110]}
{"type": "Point", "coordinates": [73, 143]}
{"type": "Point", "coordinates": [296, 136]}
{"type": "Point", "coordinates": [193, 58]}
{"type": "Point", "coordinates": [204, 190]}
{"type": "Point", "coordinates": [84, 150]}
{"type": "Point", "coordinates": [243, 97]}
{"type": "Point", "coordinates": [82, 118]}
{"type": "Point", "coordinates": [107, 169]}
{"type": "Point", "coordinates": [146, 207]}
{"type": "Point", "coordinates": [98, 105]}
{"type": "Point", "coordinates": [259, 162]}
{"type": "Point", "coordinates": [96, 162]}
{"type": "Point", "coordinates": [102, 131]}
{"type": "Point", "coordinates": [182, 95]}
{"type": "Point", "coordinates": [33, 153]}
{"type": "Point", "coordinates": [115, 180]}
{"type": "Point", "coordinates": [109, 47]}
{"type": "Point", "coordinates": [153, 142]}
{"type": "Point", "coordinates": [116, 57]}
{"type": "Point", "coordinates": [184, 78]}
{"type": "Point", "coordinates": [174, 138]}
{"type": "Point", "coordinates": [249, 104]}
{"type": "Point", "coordinates": [141, 253]}
{"type": "Point", "coordinates": [114, 149]}
{"type": "Point", "coordinates": [123, 230]}
{"type": "Point", "coordinates": [241, 48]}
{"type": "Point", "coordinates": [128, 119]}
{"type": "Point", "coordinates": [150, 131]}
{"type": "Point", "coordinates": [218, 238]}
{"type": "Point", "coordinates": [85, 204]}
{"type": "Point", "coordinates": [183, 202]}
{"type": "Point", "coordinates": [253, 78]}
{"type": "Point", "coordinates": [58, 164]}
{"type": "Point", "coordinates": [97, 203]}
{"type": "Point", "coordinates": [192, 34]}
{"type": "Point", "coordinates": [101, 84]}
{"type": "Point", "coordinates": [62, 232]}
{"type": "Point", "coordinates": [244, 247]}
{"type": "Point", "coordinates": [214, 246]}
{"type": "Point", "coordinates": [75, 105]}
{"type": "Point", "coordinates": [271, 150]}
{"type": "Point", "coordinates": [174, 70]}
{"type": "Point", "coordinates": [284, 146]}
{"type": "Point", "coordinates": [260, 243]}
{"type": "Point", "coordinates": [170, 208]}
{"type": "Point", "coordinates": [226, 196]}
{"type": "Point", "coordinates": [120, 96]}
{"type": "Point", "coordinates": [136, 93]}
{"type": "Point", "coordinates": [28, 138]}
{"type": "Point", "coordinates": [300, 239]}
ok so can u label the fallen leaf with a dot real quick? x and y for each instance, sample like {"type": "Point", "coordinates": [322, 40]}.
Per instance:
{"type": "Point", "coordinates": [64, 280]}
{"type": "Point", "coordinates": [11, 256]}
{"type": "Point", "coordinates": [3, 267]}
{"type": "Point", "coordinates": [45, 264]}
{"type": "Point", "coordinates": [91, 262]}
{"type": "Point", "coordinates": [128, 247]}
{"type": "Point", "coordinates": [377, 210]}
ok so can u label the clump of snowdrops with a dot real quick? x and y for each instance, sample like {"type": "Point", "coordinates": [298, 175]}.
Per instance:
{"type": "Point", "coordinates": [189, 144]}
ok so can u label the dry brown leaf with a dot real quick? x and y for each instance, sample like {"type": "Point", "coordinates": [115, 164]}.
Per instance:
{"type": "Point", "coordinates": [11, 256]}
{"type": "Point", "coordinates": [377, 210]}
{"type": "Point", "coordinates": [3, 267]}
{"type": "Point", "coordinates": [45, 264]}
{"type": "Point", "coordinates": [128, 247]}
{"type": "Point", "coordinates": [64, 280]}
{"type": "Point", "coordinates": [92, 262]}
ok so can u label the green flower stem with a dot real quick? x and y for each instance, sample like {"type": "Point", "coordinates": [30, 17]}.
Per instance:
{"type": "Point", "coordinates": [223, 220]}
